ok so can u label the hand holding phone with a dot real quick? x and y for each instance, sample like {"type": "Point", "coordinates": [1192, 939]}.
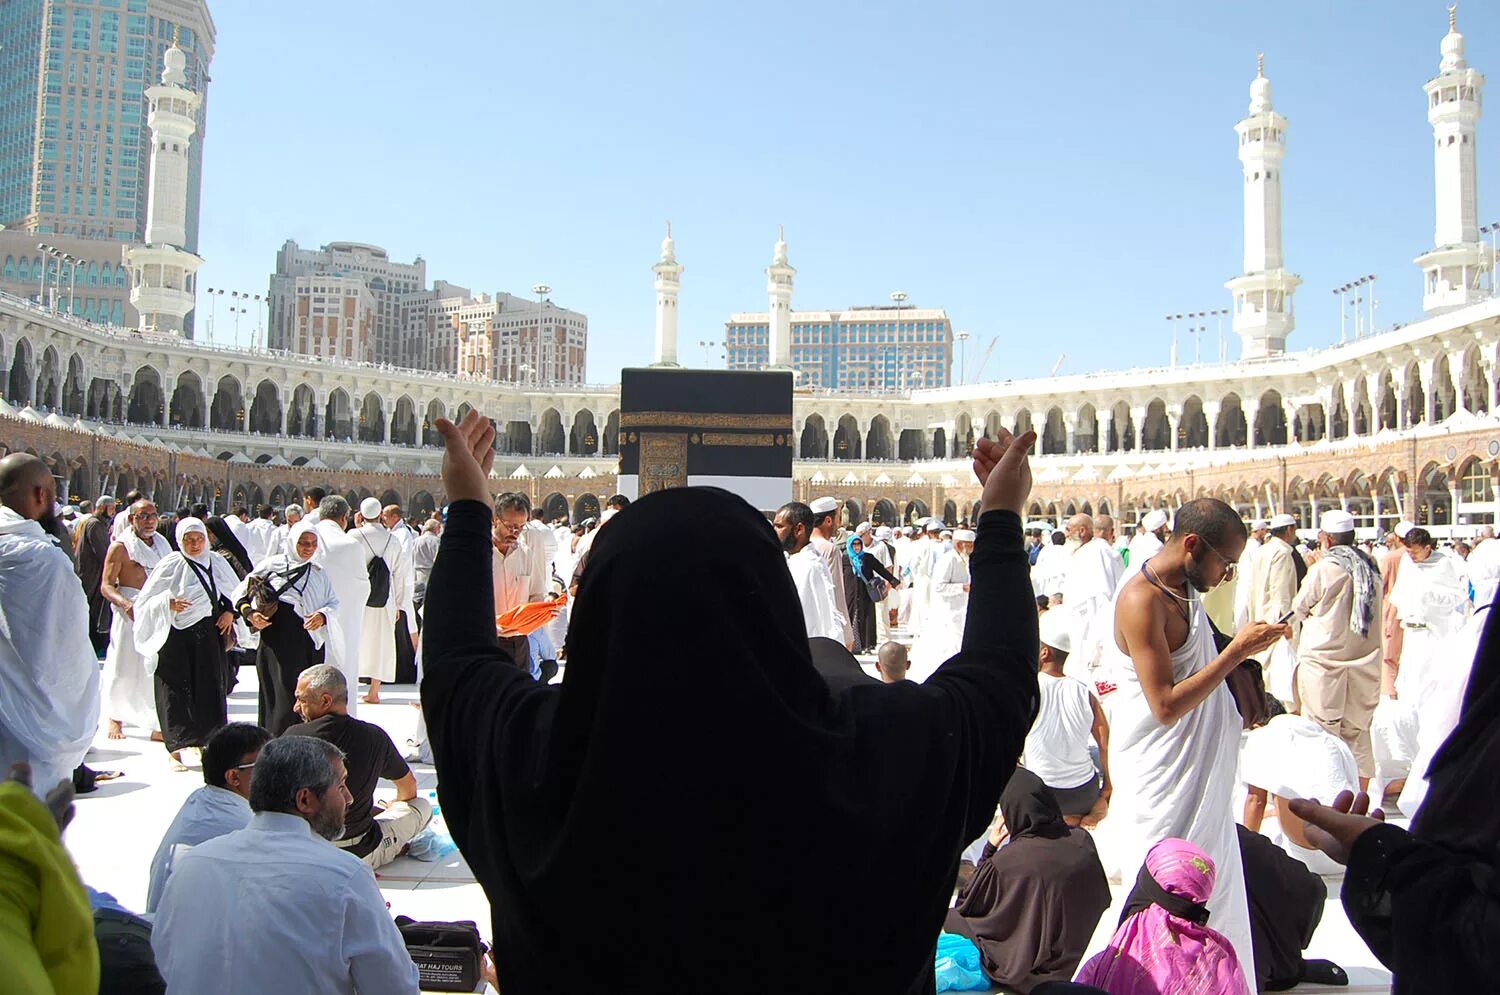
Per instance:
{"type": "Point", "coordinates": [1283, 620]}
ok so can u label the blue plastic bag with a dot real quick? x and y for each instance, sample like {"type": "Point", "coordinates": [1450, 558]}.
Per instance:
{"type": "Point", "coordinates": [957, 965]}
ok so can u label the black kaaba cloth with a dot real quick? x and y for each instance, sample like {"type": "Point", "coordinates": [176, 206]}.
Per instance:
{"type": "Point", "coordinates": [717, 428]}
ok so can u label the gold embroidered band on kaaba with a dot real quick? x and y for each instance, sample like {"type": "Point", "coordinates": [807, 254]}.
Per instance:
{"type": "Point", "coordinates": [692, 419]}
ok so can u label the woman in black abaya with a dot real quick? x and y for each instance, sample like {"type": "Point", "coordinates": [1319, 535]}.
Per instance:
{"type": "Point", "coordinates": [704, 815]}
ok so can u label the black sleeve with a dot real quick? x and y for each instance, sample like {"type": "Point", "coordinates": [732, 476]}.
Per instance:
{"type": "Point", "coordinates": [870, 563]}
{"type": "Point", "coordinates": [1397, 887]}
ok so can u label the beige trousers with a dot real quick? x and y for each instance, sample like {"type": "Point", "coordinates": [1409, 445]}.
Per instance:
{"type": "Point", "coordinates": [1342, 700]}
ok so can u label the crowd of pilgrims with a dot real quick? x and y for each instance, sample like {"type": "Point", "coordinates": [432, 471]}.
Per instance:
{"type": "Point", "coordinates": [739, 802]}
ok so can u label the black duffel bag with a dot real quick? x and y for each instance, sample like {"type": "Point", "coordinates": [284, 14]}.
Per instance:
{"type": "Point", "coordinates": [449, 955]}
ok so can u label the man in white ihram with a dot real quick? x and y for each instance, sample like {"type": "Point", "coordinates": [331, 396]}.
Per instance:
{"type": "Point", "coordinates": [1148, 543]}
{"type": "Point", "coordinates": [348, 571]}
{"type": "Point", "coordinates": [1091, 575]}
{"type": "Point", "coordinates": [947, 608]}
{"type": "Point", "coordinates": [377, 649]}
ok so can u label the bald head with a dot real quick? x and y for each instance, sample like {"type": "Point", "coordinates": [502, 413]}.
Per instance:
{"type": "Point", "coordinates": [1104, 527]}
{"type": "Point", "coordinates": [1486, 532]}
{"type": "Point", "coordinates": [1080, 527]}
{"type": "Point", "coordinates": [27, 486]}
{"type": "Point", "coordinates": [891, 661]}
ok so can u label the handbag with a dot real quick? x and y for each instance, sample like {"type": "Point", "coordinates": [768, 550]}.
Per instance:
{"type": "Point", "coordinates": [878, 588]}
{"type": "Point", "coordinates": [449, 955]}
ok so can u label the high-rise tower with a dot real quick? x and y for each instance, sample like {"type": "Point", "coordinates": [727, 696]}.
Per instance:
{"type": "Point", "coordinates": [1451, 270]}
{"type": "Point", "coordinates": [1263, 312]}
{"type": "Point", "coordinates": [668, 282]}
{"type": "Point", "coordinates": [161, 271]}
{"type": "Point", "coordinates": [779, 277]}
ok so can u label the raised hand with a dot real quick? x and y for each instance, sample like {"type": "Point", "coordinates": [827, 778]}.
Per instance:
{"type": "Point", "coordinates": [1004, 471]}
{"type": "Point", "coordinates": [1333, 829]}
{"type": "Point", "coordinates": [468, 455]}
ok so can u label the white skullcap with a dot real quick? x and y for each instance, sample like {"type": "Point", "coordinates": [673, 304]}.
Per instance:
{"type": "Point", "coordinates": [1402, 528]}
{"type": "Point", "coordinates": [946, 534]}
{"type": "Point", "coordinates": [370, 508]}
{"type": "Point", "coordinates": [1155, 519]}
{"type": "Point", "coordinates": [1257, 525]}
{"type": "Point", "coordinates": [933, 525]}
{"type": "Point", "coordinates": [824, 505]}
{"type": "Point", "coordinates": [862, 528]}
{"type": "Point", "coordinates": [964, 535]}
{"type": "Point", "coordinates": [1281, 522]}
{"type": "Point", "coordinates": [884, 532]}
{"type": "Point", "coordinates": [1334, 522]}
{"type": "Point", "coordinates": [1053, 626]}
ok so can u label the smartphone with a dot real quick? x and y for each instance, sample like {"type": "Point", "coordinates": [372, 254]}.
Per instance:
{"type": "Point", "coordinates": [1283, 620]}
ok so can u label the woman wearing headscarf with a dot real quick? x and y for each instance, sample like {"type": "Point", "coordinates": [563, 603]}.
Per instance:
{"type": "Point", "coordinates": [1427, 901]}
{"type": "Point", "coordinates": [222, 540]}
{"type": "Point", "coordinates": [295, 634]}
{"type": "Point", "coordinates": [1164, 944]}
{"type": "Point", "coordinates": [734, 825]}
{"type": "Point", "coordinates": [182, 617]}
{"type": "Point", "coordinates": [1033, 903]}
{"type": "Point", "coordinates": [859, 568]}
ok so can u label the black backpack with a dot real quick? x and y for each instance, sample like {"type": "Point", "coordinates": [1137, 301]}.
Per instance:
{"type": "Point", "coordinates": [380, 577]}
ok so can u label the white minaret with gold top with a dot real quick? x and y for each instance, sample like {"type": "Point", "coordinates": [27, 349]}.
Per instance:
{"type": "Point", "coordinates": [162, 283]}
{"type": "Point", "coordinates": [668, 283]}
{"type": "Point", "coordinates": [779, 277]}
{"type": "Point", "coordinates": [1451, 270]}
{"type": "Point", "coordinates": [1263, 312]}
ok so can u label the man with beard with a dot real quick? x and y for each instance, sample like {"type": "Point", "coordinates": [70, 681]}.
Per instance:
{"type": "Point", "coordinates": [1174, 726]}
{"type": "Point", "coordinates": [228, 922]}
{"type": "Point", "coordinates": [49, 676]}
{"type": "Point", "coordinates": [128, 696]}
{"type": "Point", "coordinates": [88, 561]}
{"type": "Point", "coordinates": [1091, 576]}
{"type": "Point", "coordinates": [810, 575]}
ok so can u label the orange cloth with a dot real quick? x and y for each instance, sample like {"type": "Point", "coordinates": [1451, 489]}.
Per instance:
{"type": "Point", "coordinates": [523, 620]}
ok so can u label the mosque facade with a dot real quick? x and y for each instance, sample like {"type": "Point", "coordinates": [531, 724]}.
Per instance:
{"type": "Point", "coordinates": [1399, 424]}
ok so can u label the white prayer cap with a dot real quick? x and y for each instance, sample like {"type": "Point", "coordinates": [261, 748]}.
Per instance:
{"type": "Point", "coordinates": [824, 505]}
{"type": "Point", "coordinates": [884, 533]}
{"type": "Point", "coordinates": [1155, 519]}
{"type": "Point", "coordinates": [1335, 522]}
{"type": "Point", "coordinates": [1257, 525]}
{"type": "Point", "coordinates": [933, 525]}
{"type": "Point", "coordinates": [1402, 528]}
{"type": "Point", "coordinates": [946, 534]}
{"type": "Point", "coordinates": [1282, 521]}
{"type": "Point", "coordinates": [1053, 626]}
{"type": "Point", "coordinates": [964, 535]}
{"type": "Point", "coordinates": [862, 528]}
{"type": "Point", "coordinates": [105, 499]}
{"type": "Point", "coordinates": [370, 508]}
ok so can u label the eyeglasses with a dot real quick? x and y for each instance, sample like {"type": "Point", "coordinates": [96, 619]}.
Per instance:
{"type": "Point", "coordinates": [147, 516]}
{"type": "Point", "coordinates": [1230, 567]}
{"type": "Point", "coordinates": [243, 766]}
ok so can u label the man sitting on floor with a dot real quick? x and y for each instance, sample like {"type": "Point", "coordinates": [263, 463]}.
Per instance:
{"type": "Point", "coordinates": [1057, 748]}
{"type": "Point", "coordinates": [221, 806]}
{"type": "Point", "coordinates": [272, 907]}
{"type": "Point", "coordinates": [375, 836]}
{"type": "Point", "coordinates": [891, 661]}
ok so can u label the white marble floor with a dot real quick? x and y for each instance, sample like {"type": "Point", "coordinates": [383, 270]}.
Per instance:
{"type": "Point", "coordinates": [118, 827]}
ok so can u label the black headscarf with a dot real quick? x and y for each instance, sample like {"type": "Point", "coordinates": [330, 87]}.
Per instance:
{"type": "Point", "coordinates": [838, 667]}
{"type": "Point", "coordinates": [1029, 808]}
{"type": "Point", "coordinates": [224, 541]}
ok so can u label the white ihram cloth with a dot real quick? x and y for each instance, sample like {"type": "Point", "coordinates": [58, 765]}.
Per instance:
{"type": "Point", "coordinates": [128, 695]}
{"type": "Point", "coordinates": [1047, 573]}
{"type": "Point", "coordinates": [1293, 757]}
{"type": "Point", "coordinates": [49, 675]}
{"type": "Point", "coordinates": [829, 551]}
{"type": "Point", "coordinates": [377, 648]}
{"type": "Point", "coordinates": [1142, 548]}
{"type": "Point", "coordinates": [1438, 702]}
{"type": "Point", "coordinates": [1179, 780]}
{"type": "Point", "coordinates": [942, 634]}
{"type": "Point", "coordinates": [1089, 584]}
{"type": "Point", "coordinates": [343, 559]}
{"type": "Point", "coordinates": [1242, 585]}
{"type": "Point", "coordinates": [1484, 571]}
{"type": "Point", "coordinates": [924, 559]}
{"type": "Point", "coordinates": [208, 813]}
{"type": "Point", "coordinates": [230, 924]}
{"type": "Point", "coordinates": [312, 594]}
{"type": "Point", "coordinates": [173, 578]}
{"type": "Point", "coordinates": [900, 597]}
{"type": "Point", "coordinates": [1430, 599]}
{"type": "Point", "coordinates": [815, 592]}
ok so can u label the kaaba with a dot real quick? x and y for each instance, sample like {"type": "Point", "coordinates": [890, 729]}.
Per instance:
{"type": "Point", "coordinates": [713, 428]}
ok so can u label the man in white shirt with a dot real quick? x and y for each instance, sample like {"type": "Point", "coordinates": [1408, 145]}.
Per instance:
{"type": "Point", "coordinates": [1150, 541]}
{"type": "Point", "coordinates": [825, 512]}
{"type": "Point", "coordinates": [263, 533]}
{"type": "Point", "coordinates": [1057, 748]}
{"type": "Point", "coordinates": [221, 806]}
{"type": "Point", "coordinates": [292, 514]}
{"type": "Point", "coordinates": [793, 525]}
{"type": "Point", "coordinates": [516, 582]}
{"type": "Point", "coordinates": [377, 650]}
{"type": "Point", "coordinates": [275, 907]}
{"type": "Point", "coordinates": [1090, 576]}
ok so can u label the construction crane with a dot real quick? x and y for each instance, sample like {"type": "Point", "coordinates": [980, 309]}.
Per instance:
{"type": "Point", "coordinates": [1058, 365]}
{"type": "Point", "coordinates": [983, 360]}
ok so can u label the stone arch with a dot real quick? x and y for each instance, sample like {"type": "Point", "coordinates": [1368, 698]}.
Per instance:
{"type": "Point", "coordinates": [338, 417]}
{"type": "Point", "coordinates": [1192, 431]}
{"type": "Point", "coordinates": [1444, 397]}
{"type": "Point", "coordinates": [265, 409]}
{"type": "Point", "coordinates": [404, 422]}
{"type": "Point", "coordinates": [1270, 420]}
{"type": "Point", "coordinates": [1360, 415]}
{"type": "Point", "coordinates": [550, 439]}
{"type": "Point", "coordinates": [49, 380]}
{"type": "Point", "coordinates": [1476, 483]}
{"type": "Point", "coordinates": [583, 440]}
{"type": "Point", "coordinates": [279, 498]}
{"type": "Point", "coordinates": [146, 405]}
{"type": "Point", "coordinates": [916, 510]}
{"type": "Point", "coordinates": [226, 412]}
{"type": "Point", "coordinates": [878, 442]}
{"type": "Point", "coordinates": [1156, 431]}
{"type": "Point", "coordinates": [950, 512]}
{"type": "Point", "coordinates": [389, 496]}
{"type": "Point", "coordinates": [1434, 501]}
{"type": "Point", "coordinates": [1338, 415]}
{"type": "Point", "coordinates": [612, 434]}
{"type": "Point", "coordinates": [1416, 398]}
{"type": "Point", "coordinates": [1474, 388]}
{"type": "Point", "coordinates": [463, 409]}
{"type": "Point", "coordinates": [992, 424]}
{"type": "Point", "coordinates": [963, 435]}
{"type": "Point", "coordinates": [302, 415]}
{"type": "Point", "coordinates": [1054, 432]}
{"type": "Point", "coordinates": [1385, 402]}
{"type": "Point", "coordinates": [585, 507]}
{"type": "Point", "coordinates": [1022, 422]}
{"type": "Point", "coordinates": [105, 401]}
{"type": "Point", "coordinates": [910, 446]}
{"type": "Point", "coordinates": [846, 441]}
{"type": "Point", "coordinates": [72, 394]}
{"type": "Point", "coordinates": [371, 418]}
{"type": "Point", "coordinates": [884, 513]}
{"type": "Point", "coordinates": [435, 410]}
{"type": "Point", "coordinates": [187, 401]}
{"type": "Point", "coordinates": [517, 436]}
{"type": "Point", "coordinates": [422, 504]}
{"type": "Point", "coordinates": [1121, 428]}
{"type": "Point", "coordinates": [80, 486]}
{"type": "Point", "coordinates": [21, 388]}
{"type": "Point", "coordinates": [1086, 434]}
{"type": "Point", "coordinates": [554, 506]}
{"type": "Point", "coordinates": [939, 443]}
{"type": "Point", "coordinates": [854, 513]}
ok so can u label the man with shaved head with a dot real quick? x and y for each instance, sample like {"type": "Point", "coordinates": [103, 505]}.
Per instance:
{"type": "Point", "coordinates": [129, 695]}
{"type": "Point", "coordinates": [49, 675]}
{"type": "Point", "coordinates": [1090, 574]}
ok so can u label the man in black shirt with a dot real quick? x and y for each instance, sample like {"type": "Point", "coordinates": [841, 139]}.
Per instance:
{"type": "Point", "coordinates": [374, 835]}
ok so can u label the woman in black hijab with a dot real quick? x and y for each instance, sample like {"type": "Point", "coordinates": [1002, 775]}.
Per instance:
{"type": "Point", "coordinates": [1032, 905]}
{"type": "Point", "coordinates": [1427, 902]}
{"type": "Point", "coordinates": [708, 816]}
{"type": "Point", "coordinates": [222, 540]}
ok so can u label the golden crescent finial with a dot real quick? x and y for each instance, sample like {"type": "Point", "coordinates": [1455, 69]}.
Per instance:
{"type": "Point", "coordinates": [176, 34]}
{"type": "Point", "coordinates": [1453, 17]}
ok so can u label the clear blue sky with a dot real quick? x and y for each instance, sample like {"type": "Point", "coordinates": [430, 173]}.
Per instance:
{"type": "Point", "coordinates": [1059, 175]}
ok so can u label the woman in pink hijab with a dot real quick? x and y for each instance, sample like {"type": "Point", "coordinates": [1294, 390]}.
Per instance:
{"type": "Point", "coordinates": [1164, 945]}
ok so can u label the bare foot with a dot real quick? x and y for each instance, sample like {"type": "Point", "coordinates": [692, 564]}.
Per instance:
{"type": "Point", "coordinates": [115, 730]}
{"type": "Point", "coordinates": [176, 761]}
{"type": "Point", "coordinates": [370, 699]}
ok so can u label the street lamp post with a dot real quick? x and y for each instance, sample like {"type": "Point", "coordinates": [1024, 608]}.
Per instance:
{"type": "Point", "coordinates": [962, 338]}
{"type": "Point", "coordinates": [41, 293]}
{"type": "Point", "coordinates": [898, 298]}
{"type": "Point", "coordinates": [541, 290]}
{"type": "Point", "coordinates": [72, 262]}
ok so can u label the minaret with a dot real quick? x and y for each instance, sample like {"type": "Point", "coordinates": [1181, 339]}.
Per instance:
{"type": "Point", "coordinates": [779, 276]}
{"type": "Point", "coordinates": [161, 271]}
{"type": "Point", "coordinates": [668, 282]}
{"type": "Point", "coordinates": [1451, 271]}
{"type": "Point", "coordinates": [1263, 312]}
